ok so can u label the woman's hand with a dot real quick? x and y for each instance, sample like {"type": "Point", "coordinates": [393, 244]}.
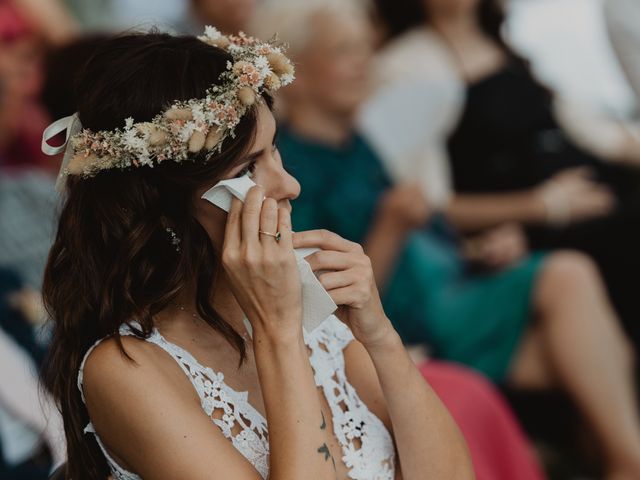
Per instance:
{"type": "Point", "coordinates": [498, 248]}
{"type": "Point", "coordinates": [262, 271]}
{"type": "Point", "coordinates": [346, 273]}
{"type": "Point", "coordinates": [405, 207]}
{"type": "Point", "coordinates": [572, 195]}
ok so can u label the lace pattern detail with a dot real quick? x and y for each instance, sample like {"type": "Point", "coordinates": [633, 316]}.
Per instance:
{"type": "Point", "coordinates": [367, 447]}
{"type": "Point", "coordinates": [227, 408]}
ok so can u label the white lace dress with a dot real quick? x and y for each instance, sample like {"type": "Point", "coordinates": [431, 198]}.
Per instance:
{"type": "Point", "coordinates": [367, 447]}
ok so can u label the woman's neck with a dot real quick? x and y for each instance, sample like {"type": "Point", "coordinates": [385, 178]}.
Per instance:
{"type": "Point", "coordinates": [184, 309]}
{"type": "Point", "coordinates": [320, 125]}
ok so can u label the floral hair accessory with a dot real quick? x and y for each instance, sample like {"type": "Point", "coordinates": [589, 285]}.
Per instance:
{"type": "Point", "coordinates": [186, 127]}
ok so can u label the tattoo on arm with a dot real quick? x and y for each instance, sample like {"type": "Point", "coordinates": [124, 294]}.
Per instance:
{"type": "Point", "coordinates": [324, 449]}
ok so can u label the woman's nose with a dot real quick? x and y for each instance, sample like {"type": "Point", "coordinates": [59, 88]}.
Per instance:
{"type": "Point", "coordinates": [289, 187]}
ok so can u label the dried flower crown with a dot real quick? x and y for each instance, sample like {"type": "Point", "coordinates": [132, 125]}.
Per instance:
{"type": "Point", "coordinates": [188, 127]}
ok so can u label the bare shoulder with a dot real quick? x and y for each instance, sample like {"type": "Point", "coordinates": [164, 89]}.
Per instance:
{"type": "Point", "coordinates": [120, 384]}
{"type": "Point", "coordinates": [135, 366]}
{"type": "Point", "coordinates": [150, 418]}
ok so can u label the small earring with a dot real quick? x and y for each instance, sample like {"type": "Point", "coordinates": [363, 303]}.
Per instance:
{"type": "Point", "coordinates": [175, 241]}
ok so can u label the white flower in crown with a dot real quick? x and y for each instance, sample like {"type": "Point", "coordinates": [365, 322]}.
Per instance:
{"type": "Point", "coordinates": [187, 128]}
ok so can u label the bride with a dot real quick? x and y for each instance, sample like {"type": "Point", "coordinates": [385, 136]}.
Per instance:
{"type": "Point", "coordinates": [156, 373]}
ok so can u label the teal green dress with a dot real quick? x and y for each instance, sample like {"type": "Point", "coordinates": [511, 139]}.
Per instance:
{"type": "Point", "coordinates": [432, 296]}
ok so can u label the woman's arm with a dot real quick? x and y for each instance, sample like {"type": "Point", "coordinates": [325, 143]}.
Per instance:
{"type": "Point", "coordinates": [429, 415]}
{"type": "Point", "coordinates": [298, 438]}
{"type": "Point", "coordinates": [470, 212]}
{"type": "Point", "coordinates": [400, 211]}
{"type": "Point", "coordinates": [428, 441]}
{"type": "Point", "coordinates": [570, 195]}
{"type": "Point", "coordinates": [264, 278]}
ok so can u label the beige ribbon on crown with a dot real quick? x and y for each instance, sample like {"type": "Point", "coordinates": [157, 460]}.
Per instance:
{"type": "Point", "coordinates": [73, 126]}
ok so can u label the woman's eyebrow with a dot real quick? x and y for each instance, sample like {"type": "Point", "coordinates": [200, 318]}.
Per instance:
{"type": "Point", "coordinates": [257, 154]}
{"type": "Point", "coordinates": [253, 156]}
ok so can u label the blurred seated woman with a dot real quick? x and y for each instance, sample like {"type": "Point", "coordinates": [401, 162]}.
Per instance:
{"type": "Point", "coordinates": [178, 349]}
{"type": "Point", "coordinates": [535, 321]}
{"type": "Point", "coordinates": [517, 153]}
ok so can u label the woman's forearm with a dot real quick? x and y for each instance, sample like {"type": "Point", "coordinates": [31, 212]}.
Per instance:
{"type": "Point", "coordinates": [383, 245]}
{"type": "Point", "coordinates": [429, 442]}
{"type": "Point", "coordinates": [298, 438]}
{"type": "Point", "coordinates": [480, 211]}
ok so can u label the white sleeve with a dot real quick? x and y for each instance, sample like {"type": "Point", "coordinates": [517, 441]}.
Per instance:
{"type": "Point", "coordinates": [602, 135]}
{"type": "Point", "coordinates": [416, 103]}
{"type": "Point", "coordinates": [20, 394]}
{"type": "Point", "coordinates": [623, 24]}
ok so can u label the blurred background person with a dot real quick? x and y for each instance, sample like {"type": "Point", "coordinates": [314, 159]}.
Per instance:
{"type": "Point", "coordinates": [30, 426]}
{"type": "Point", "coordinates": [510, 159]}
{"type": "Point", "coordinates": [31, 435]}
{"type": "Point", "coordinates": [483, 320]}
{"type": "Point", "coordinates": [228, 16]}
{"type": "Point", "coordinates": [622, 19]}
{"type": "Point", "coordinates": [22, 119]}
{"type": "Point", "coordinates": [50, 18]}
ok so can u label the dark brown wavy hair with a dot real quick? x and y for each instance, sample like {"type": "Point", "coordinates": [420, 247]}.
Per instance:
{"type": "Point", "coordinates": [112, 261]}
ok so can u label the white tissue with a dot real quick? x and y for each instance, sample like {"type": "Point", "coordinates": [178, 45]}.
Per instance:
{"type": "Point", "coordinates": [317, 304]}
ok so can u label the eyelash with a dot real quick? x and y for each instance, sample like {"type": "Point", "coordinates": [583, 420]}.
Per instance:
{"type": "Point", "coordinates": [248, 169]}
{"type": "Point", "coordinates": [251, 168]}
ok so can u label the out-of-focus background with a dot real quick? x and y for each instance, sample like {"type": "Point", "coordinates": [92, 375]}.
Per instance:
{"type": "Point", "coordinates": [483, 132]}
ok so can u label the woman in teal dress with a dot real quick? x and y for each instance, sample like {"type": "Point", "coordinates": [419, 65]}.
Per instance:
{"type": "Point", "coordinates": [431, 296]}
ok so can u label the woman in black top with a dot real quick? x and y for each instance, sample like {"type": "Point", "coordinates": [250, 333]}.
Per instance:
{"type": "Point", "coordinates": [512, 162]}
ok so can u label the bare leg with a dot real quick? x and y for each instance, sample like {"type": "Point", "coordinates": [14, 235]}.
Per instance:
{"type": "Point", "coordinates": [579, 346]}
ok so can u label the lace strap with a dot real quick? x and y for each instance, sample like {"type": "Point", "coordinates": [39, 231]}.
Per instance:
{"type": "Point", "coordinates": [81, 369]}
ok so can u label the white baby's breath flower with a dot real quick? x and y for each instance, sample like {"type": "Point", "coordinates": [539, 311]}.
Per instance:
{"type": "Point", "coordinates": [186, 131]}
{"type": "Point", "coordinates": [262, 64]}
{"type": "Point", "coordinates": [128, 123]}
{"type": "Point", "coordinates": [198, 113]}
{"type": "Point", "coordinates": [130, 138]}
{"type": "Point", "coordinates": [287, 78]}
{"type": "Point", "coordinates": [212, 32]}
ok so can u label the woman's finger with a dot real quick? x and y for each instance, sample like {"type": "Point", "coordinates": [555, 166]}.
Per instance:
{"type": "Point", "coordinates": [284, 227]}
{"type": "Point", "coordinates": [269, 222]}
{"type": "Point", "coordinates": [330, 260]}
{"type": "Point", "coordinates": [333, 280]}
{"type": "Point", "coordinates": [251, 215]}
{"type": "Point", "coordinates": [343, 296]}
{"type": "Point", "coordinates": [232, 233]}
{"type": "Point", "coordinates": [323, 239]}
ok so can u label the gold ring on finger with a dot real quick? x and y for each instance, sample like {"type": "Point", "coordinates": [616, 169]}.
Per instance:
{"type": "Point", "coordinates": [276, 235]}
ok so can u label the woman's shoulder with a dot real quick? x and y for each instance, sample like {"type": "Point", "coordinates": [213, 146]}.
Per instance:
{"type": "Point", "coordinates": [124, 366]}
{"type": "Point", "coordinates": [417, 54]}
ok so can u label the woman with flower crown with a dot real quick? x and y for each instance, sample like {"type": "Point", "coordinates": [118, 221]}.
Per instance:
{"type": "Point", "coordinates": [154, 369]}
